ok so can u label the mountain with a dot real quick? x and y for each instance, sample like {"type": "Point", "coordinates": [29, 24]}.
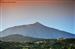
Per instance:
{"type": "Point", "coordinates": [36, 30]}
{"type": "Point", "coordinates": [18, 38]}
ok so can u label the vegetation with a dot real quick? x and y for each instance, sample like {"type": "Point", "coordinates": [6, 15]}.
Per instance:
{"type": "Point", "coordinates": [42, 44]}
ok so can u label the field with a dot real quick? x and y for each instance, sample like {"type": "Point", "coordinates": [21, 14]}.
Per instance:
{"type": "Point", "coordinates": [42, 44]}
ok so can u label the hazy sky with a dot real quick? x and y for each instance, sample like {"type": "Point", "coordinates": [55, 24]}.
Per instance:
{"type": "Point", "coordinates": [55, 14]}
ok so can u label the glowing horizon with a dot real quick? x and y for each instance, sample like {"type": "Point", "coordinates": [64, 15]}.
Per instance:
{"type": "Point", "coordinates": [52, 13]}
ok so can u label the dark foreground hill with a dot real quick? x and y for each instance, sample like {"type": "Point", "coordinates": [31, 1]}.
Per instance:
{"type": "Point", "coordinates": [43, 44]}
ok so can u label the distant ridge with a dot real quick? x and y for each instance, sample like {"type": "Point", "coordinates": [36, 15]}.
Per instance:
{"type": "Point", "coordinates": [36, 30]}
{"type": "Point", "coordinates": [18, 38]}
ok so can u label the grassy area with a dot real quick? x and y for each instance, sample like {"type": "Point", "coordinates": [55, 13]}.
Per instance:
{"type": "Point", "coordinates": [43, 44]}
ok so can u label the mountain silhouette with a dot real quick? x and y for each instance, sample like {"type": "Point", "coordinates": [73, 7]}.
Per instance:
{"type": "Point", "coordinates": [36, 30]}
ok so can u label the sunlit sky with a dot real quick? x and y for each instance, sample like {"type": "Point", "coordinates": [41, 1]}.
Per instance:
{"type": "Point", "coordinates": [56, 14]}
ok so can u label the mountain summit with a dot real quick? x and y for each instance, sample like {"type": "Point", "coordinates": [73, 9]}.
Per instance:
{"type": "Point", "coordinates": [36, 30]}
